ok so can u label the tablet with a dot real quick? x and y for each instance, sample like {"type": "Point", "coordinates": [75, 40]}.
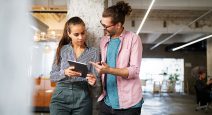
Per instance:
{"type": "Point", "coordinates": [79, 67]}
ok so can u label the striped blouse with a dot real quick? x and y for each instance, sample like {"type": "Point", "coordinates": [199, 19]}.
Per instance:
{"type": "Point", "coordinates": [67, 53]}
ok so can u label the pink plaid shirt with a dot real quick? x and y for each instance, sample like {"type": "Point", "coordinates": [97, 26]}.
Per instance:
{"type": "Point", "coordinates": [129, 56]}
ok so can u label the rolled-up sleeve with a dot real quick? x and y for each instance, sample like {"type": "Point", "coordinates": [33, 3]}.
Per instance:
{"type": "Point", "coordinates": [135, 57]}
{"type": "Point", "coordinates": [56, 73]}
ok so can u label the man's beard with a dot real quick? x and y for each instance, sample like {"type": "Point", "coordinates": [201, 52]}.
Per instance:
{"type": "Point", "coordinates": [111, 33]}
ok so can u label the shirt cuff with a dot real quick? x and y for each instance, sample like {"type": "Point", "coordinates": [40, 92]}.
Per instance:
{"type": "Point", "coordinates": [62, 74]}
{"type": "Point", "coordinates": [133, 72]}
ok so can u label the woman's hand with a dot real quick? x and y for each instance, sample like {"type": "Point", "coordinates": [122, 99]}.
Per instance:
{"type": "Point", "coordinates": [91, 79]}
{"type": "Point", "coordinates": [71, 73]}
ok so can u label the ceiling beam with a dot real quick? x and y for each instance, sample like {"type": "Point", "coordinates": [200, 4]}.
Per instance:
{"type": "Point", "coordinates": [38, 25]}
{"type": "Point", "coordinates": [181, 29]}
{"type": "Point", "coordinates": [48, 11]}
{"type": "Point", "coordinates": [149, 38]}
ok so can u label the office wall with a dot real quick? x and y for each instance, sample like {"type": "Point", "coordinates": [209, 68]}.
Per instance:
{"type": "Point", "coordinates": [191, 60]}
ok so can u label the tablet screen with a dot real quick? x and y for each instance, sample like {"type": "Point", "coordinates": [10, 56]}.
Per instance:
{"type": "Point", "coordinates": [79, 67]}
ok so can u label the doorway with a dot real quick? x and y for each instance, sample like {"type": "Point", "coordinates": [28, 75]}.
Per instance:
{"type": "Point", "coordinates": [162, 74]}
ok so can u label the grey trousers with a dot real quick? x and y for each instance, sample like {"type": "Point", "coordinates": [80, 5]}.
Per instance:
{"type": "Point", "coordinates": [71, 99]}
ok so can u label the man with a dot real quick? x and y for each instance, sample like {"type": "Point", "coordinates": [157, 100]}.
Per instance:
{"type": "Point", "coordinates": [121, 53]}
{"type": "Point", "coordinates": [203, 88]}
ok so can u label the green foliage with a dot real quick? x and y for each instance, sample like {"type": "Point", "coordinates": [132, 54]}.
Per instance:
{"type": "Point", "coordinates": [173, 78]}
{"type": "Point", "coordinates": [172, 81]}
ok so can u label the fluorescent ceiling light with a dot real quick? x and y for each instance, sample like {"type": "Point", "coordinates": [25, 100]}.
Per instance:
{"type": "Point", "coordinates": [144, 19]}
{"type": "Point", "coordinates": [195, 41]}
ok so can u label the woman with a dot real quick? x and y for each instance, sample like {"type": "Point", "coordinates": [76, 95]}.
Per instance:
{"type": "Point", "coordinates": [71, 96]}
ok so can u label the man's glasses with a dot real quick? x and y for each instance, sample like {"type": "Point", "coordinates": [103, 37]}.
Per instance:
{"type": "Point", "coordinates": [105, 26]}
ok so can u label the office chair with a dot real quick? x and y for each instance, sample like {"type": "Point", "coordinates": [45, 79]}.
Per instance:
{"type": "Point", "coordinates": [202, 102]}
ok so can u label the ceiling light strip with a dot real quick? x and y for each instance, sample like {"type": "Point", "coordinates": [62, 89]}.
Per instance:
{"type": "Point", "coordinates": [144, 19]}
{"type": "Point", "coordinates": [180, 30]}
{"type": "Point", "coordinates": [195, 41]}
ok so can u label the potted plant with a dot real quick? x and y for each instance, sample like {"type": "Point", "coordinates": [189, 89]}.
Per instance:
{"type": "Point", "coordinates": [172, 81]}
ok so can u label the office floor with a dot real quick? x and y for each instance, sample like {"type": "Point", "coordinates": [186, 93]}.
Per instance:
{"type": "Point", "coordinates": [170, 104]}
{"type": "Point", "coordinates": [167, 104]}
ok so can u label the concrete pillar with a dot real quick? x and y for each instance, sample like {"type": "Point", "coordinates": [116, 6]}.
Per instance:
{"type": "Point", "coordinates": [209, 57]}
{"type": "Point", "coordinates": [90, 11]}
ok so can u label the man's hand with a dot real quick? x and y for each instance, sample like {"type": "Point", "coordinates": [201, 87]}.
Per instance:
{"type": "Point", "coordinates": [104, 68]}
{"type": "Point", "coordinates": [101, 68]}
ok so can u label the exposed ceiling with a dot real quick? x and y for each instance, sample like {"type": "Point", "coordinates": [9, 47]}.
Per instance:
{"type": "Point", "coordinates": [52, 13]}
{"type": "Point", "coordinates": [167, 17]}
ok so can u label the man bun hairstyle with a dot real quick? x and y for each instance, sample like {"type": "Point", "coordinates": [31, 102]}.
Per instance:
{"type": "Point", "coordinates": [118, 12]}
{"type": "Point", "coordinates": [124, 7]}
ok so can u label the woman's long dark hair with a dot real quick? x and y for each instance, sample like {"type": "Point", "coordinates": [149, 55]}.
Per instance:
{"type": "Point", "coordinates": [65, 38]}
{"type": "Point", "coordinates": [118, 12]}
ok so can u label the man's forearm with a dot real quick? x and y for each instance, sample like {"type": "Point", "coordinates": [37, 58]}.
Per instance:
{"type": "Point", "coordinates": [123, 72]}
